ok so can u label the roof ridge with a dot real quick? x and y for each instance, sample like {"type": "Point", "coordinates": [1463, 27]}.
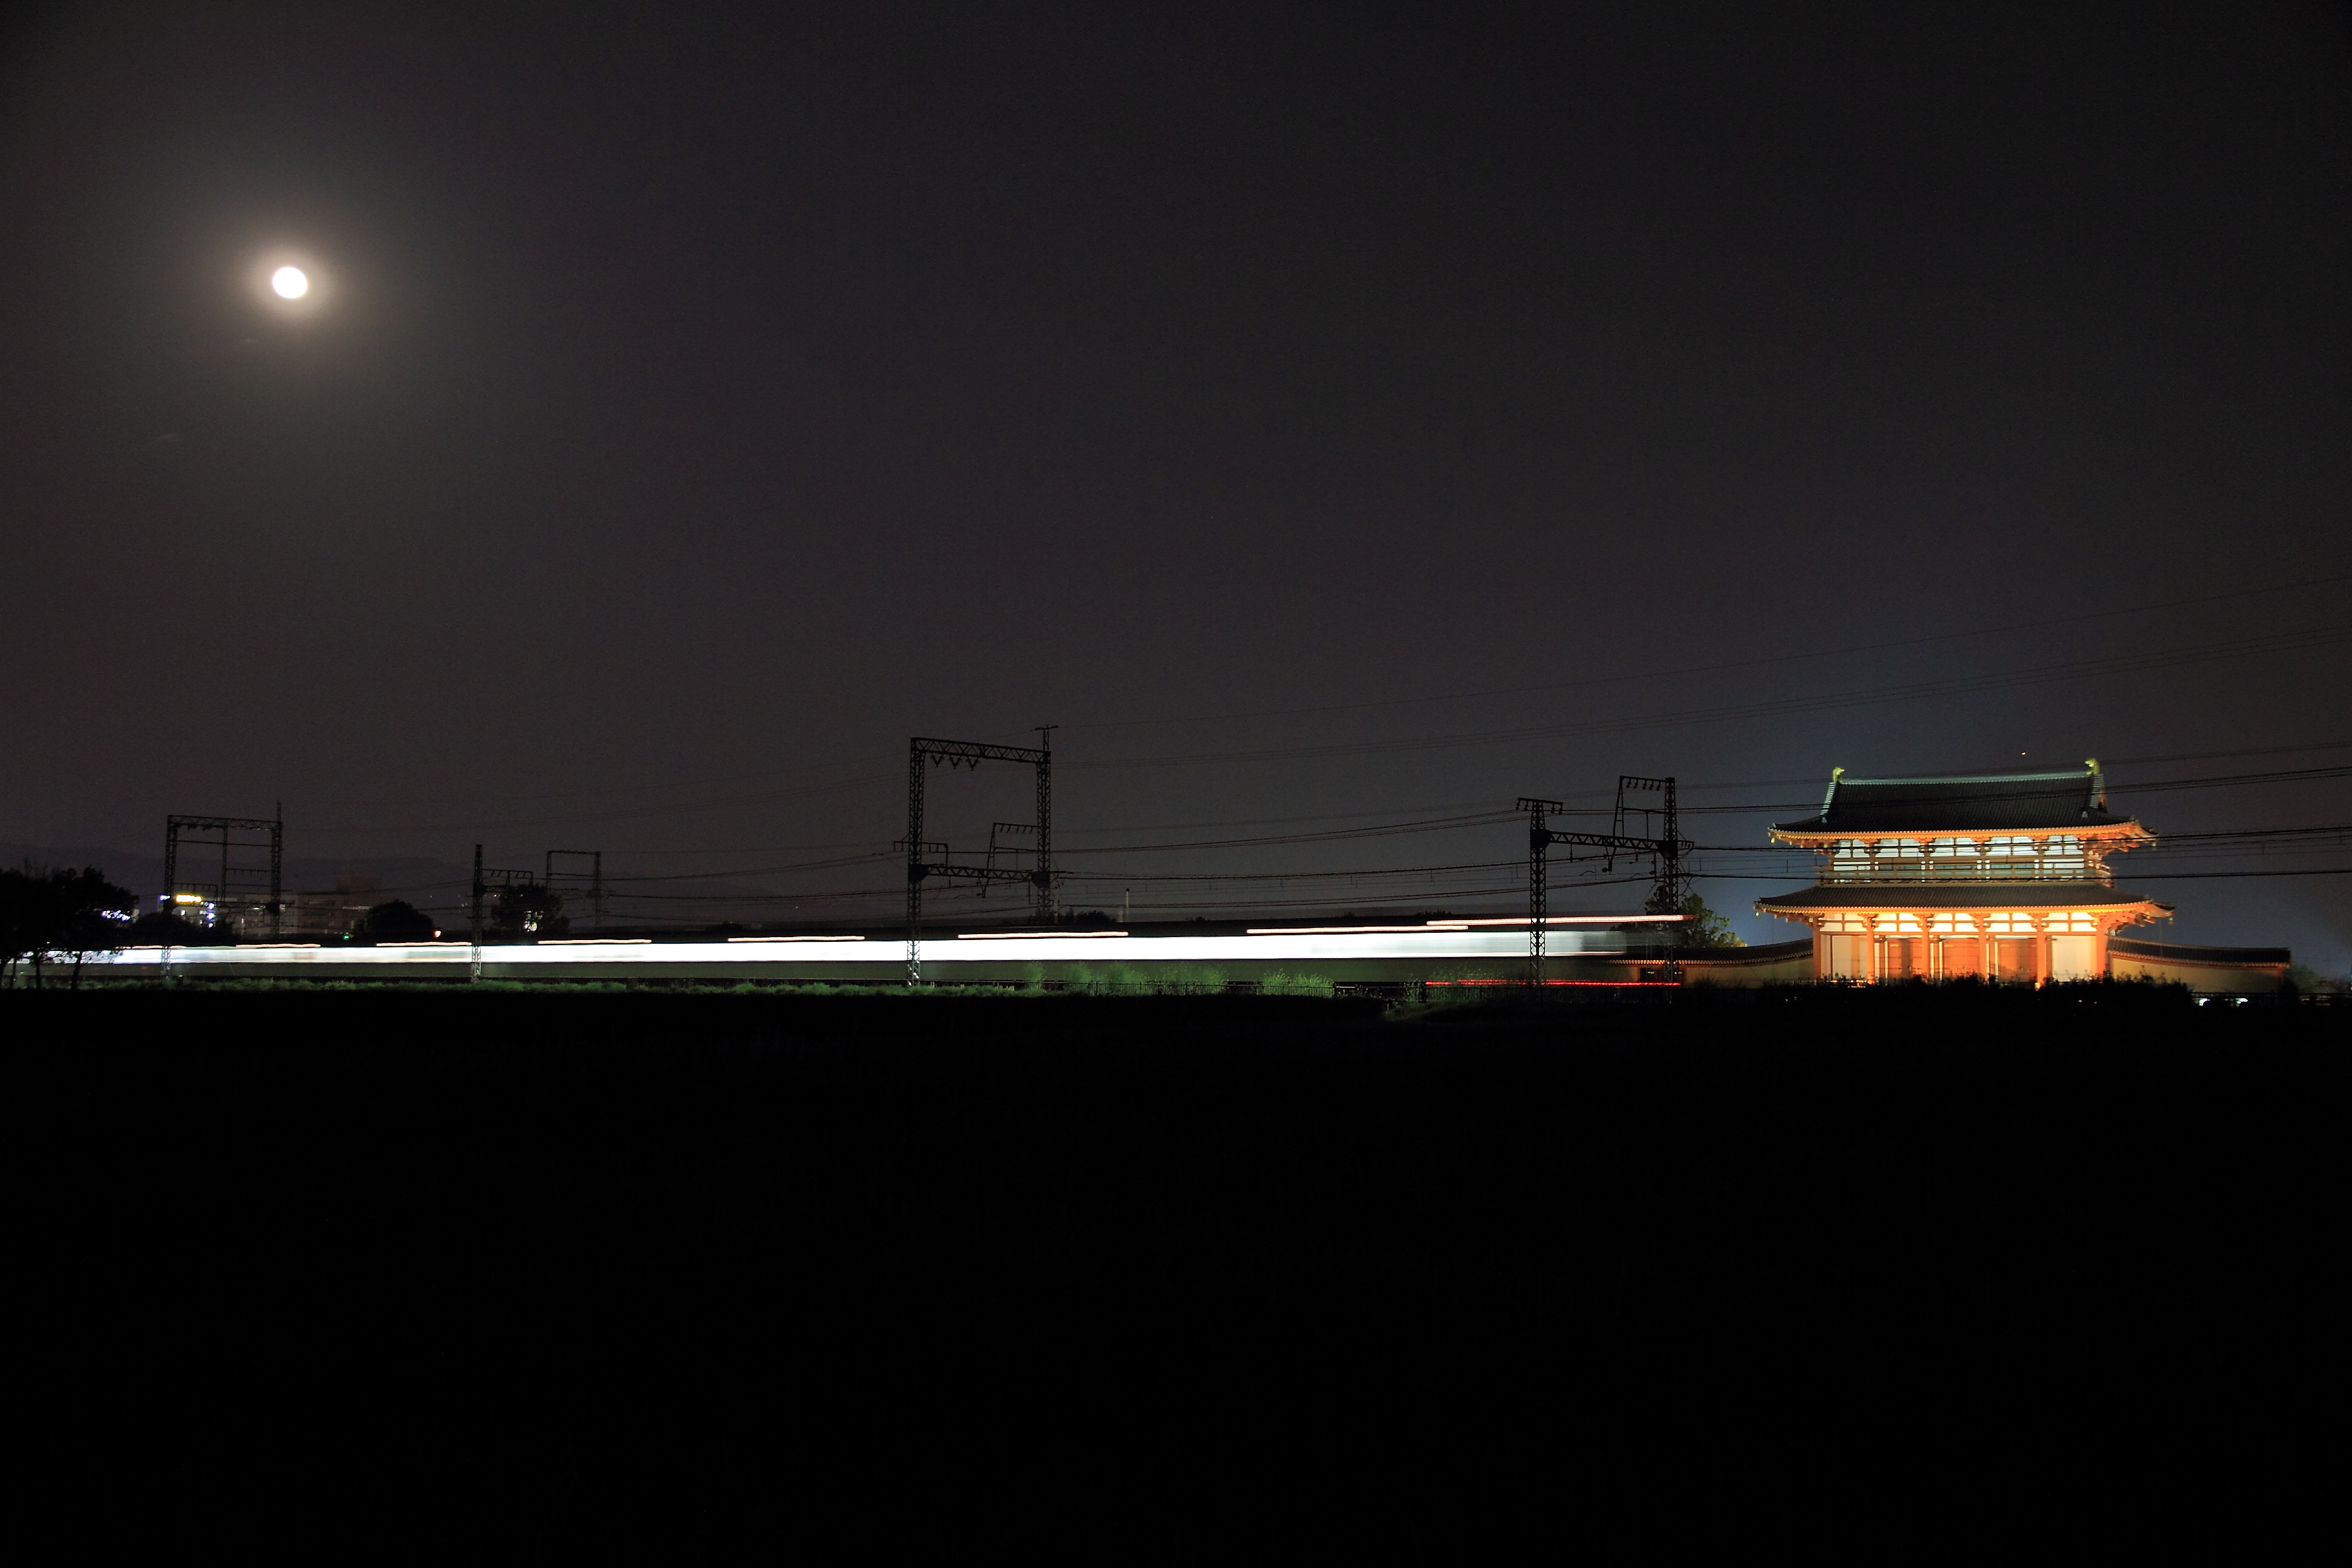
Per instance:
{"type": "Point", "coordinates": [2083, 774]}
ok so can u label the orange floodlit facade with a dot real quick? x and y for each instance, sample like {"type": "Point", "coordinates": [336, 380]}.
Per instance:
{"type": "Point", "coordinates": [1998, 876]}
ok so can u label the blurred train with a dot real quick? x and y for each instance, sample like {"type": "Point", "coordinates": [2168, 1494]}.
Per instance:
{"type": "Point", "coordinates": [1580, 950]}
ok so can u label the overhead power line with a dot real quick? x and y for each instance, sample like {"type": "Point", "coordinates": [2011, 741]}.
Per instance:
{"type": "Point", "coordinates": [1384, 830]}
{"type": "Point", "coordinates": [2297, 775]}
{"type": "Point", "coordinates": [2282, 871]}
{"type": "Point", "coordinates": [1498, 818]}
{"type": "Point", "coordinates": [2242, 752]}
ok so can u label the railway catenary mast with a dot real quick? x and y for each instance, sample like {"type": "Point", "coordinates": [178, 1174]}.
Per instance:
{"type": "Point", "coordinates": [925, 860]}
{"type": "Point", "coordinates": [1668, 848]}
{"type": "Point", "coordinates": [223, 832]}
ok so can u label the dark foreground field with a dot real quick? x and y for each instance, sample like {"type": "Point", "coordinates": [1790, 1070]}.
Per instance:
{"type": "Point", "coordinates": [349, 1277]}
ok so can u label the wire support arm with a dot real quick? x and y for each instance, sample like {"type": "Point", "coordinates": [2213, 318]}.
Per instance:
{"type": "Point", "coordinates": [983, 874]}
{"type": "Point", "coordinates": [964, 754]}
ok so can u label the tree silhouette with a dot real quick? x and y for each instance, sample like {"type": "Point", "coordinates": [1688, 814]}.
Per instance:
{"type": "Point", "coordinates": [1703, 927]}
{"type": "Point", "coordinates": [61, 910]}
{"type": "Point", "coordinates": [19, 917]}
{"type": "Point", "coordinates": [169, 928]}
{"type": "Point", "coordinates": [1700, 927]}
{"type": "Point", "coordinates": [397, 920]}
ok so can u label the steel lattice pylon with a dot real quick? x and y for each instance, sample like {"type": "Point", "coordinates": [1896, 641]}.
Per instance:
{"type": "Point", "coordinates": [201, 829]}
{"type": "Point", "coordinates": [1668, 848]}
{"type": "Point", "coordinates": [925, 860]}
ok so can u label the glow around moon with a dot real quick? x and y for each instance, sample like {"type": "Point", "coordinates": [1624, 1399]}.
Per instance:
{"type": "Point", "coordinates": [289, 282]}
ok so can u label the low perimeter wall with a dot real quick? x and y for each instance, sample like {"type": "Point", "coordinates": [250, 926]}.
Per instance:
{"type": "Point", "coordinates": [1777, 964]}
{"type": "Point", "coordinates": [2237, 970]}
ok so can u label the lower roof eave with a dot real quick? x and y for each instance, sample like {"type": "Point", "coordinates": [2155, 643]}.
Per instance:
{"type": "Point", "coordinates": [1844, 898]}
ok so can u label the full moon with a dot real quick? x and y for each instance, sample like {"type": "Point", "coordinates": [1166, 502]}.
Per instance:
{"type": "Point", "coordinates": [289, 282]}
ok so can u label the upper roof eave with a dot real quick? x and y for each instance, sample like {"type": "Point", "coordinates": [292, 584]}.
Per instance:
{"type": "Point", "coordinates": [2023, 896]}
{"type": "Point", "coordinates": [2104, 825]}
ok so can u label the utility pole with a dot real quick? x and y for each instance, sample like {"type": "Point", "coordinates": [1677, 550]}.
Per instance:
{"type": "Point", "coordinates": [478, 890]}
{"type": "Point", "coordinates": [1046, 902]}
{"type": "Point", "coordinates": [1667, 849]}
{"type": "Point", "coordinates": [916, 870]}
{"type": "Point", "coordinates": [1538, 880]}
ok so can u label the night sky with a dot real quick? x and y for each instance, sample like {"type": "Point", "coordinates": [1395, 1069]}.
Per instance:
{"type": "Point", "coordinates": [1330, 419]}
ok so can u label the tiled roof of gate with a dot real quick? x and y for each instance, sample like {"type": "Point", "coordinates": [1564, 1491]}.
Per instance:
{"type": "Point", "coordinates": [1966, 803]}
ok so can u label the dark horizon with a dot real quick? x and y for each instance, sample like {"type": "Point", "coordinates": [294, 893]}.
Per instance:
{"type": "Point", "coordinates": [1326, 423]}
